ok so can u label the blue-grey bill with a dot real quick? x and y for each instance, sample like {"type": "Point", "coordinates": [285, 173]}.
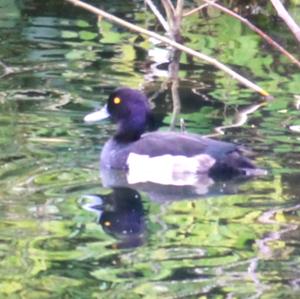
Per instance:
{"type": "Point", "coordinates": [97, 115]}
{"type": "Point", "coordinates": [92, 203]}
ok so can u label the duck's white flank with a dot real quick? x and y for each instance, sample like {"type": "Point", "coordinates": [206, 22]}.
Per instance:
{"type": "Point", "coordinates": [167, 169]}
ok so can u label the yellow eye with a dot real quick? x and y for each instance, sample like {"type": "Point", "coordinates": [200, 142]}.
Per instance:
{"type": "Point", "coordinates": [117, 100]}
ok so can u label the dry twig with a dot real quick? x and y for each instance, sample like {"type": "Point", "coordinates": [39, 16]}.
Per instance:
{"type": "Point", "coordinates": [170, 42]}
{"type": "Point", "coordinates": [254, 28]}
{"type": "Point", "coordinates": [194, 10]}
{"type": "Point", "coordinates": [241, 119]}
{"type": "Point", "coordinates": [282, 12]}
{"type": "Point", "coordinates": [159, 16]}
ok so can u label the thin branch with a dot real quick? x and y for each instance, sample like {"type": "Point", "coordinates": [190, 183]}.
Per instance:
{"type": "Point", "coordinates": [172, 43]}
{"type": "Point", "coordinates": [282, 12]}
{"type": "Point", "coordinates": [195, 10]}
{"type": "Point", "coordinates": [159, 16]}
{"type": "Point", "coordinates": [176, 103]}
{"type": "Point", "coordinates": [169, 4]}
{"type": "Point", "coordinates": [257, 30]}
{"type": "Point", "coordinates": [170, 11]}
{"type": "Point", "coordinates": [177, 18]}
{"type": "Point", "coordinates": [173, 73]}
{"type": "Point", "coordinates": [242, 117]}
{"type": "Point", "coordinates": [179, 8]}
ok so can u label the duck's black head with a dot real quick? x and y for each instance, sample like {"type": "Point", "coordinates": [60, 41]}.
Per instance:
{"type": "Point", "coordinates": [130, 109]}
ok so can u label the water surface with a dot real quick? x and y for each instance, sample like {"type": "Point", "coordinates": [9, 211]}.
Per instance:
{"type": "Point", "coordinates": [239, 240]}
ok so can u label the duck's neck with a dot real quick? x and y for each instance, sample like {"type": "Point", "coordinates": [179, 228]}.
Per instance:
{"type": "Point", "coordinates": [127, 137]}
{"type": "Point", "coordinates": [129, 132]}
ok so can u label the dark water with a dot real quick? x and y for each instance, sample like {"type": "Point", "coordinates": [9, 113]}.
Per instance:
{"type": "Point", "coordinates": [241, 240]}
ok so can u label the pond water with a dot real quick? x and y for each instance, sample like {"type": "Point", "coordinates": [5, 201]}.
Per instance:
{"type": "Point", "coordinates": [59, 240]}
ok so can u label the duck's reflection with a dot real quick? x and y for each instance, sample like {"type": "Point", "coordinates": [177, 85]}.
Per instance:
{"type": "Point", "coordinates": [121, 212]}
{"type": "Point", "coordinates": [121, 215]}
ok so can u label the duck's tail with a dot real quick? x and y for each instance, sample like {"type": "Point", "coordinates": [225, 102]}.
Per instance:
{"type": "Point", "coordinates": [235, 164]}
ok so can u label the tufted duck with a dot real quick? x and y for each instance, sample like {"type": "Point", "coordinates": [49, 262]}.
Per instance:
{"type": "Point", "coordinates": [175, 156]}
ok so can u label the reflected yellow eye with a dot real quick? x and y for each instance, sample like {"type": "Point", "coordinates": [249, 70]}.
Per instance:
{"type": "Point", "coordinates": [107, 223]}
{"type": "Point", "coordinates": [117, 100]}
